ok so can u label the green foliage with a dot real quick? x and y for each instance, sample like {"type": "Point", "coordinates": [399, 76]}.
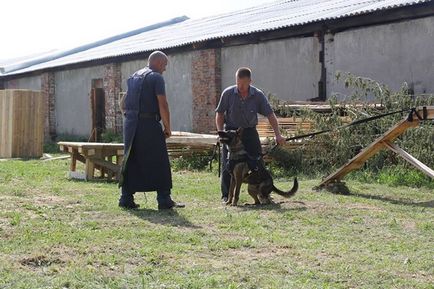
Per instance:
{"type": "Point", "coordinates": [325, 153]}
{"type": "Point", "coordinates": [190, 163]}
{"type": "Point", "coordinates": [52, 147]}
{"type": "Point", "coordinates": [109, 136]}
{"type": "Point", "coordinates": [404, 175]}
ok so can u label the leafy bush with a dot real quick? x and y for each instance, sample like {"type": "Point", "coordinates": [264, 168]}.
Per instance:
{"type": "Point", "coordinates": [190, 163]}
{"type": "Point", "coordinates": [323, 154]}
{"type": "Point", "coordinates": [52, 147]}
{"type": "Point", "coordinates": [109, 136]}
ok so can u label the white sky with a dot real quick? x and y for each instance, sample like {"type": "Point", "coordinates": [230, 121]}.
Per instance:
{"type": "Point", "coordinates": [33, 26]}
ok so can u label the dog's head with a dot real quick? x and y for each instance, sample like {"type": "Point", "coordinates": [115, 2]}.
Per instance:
{"type": "Point", "coordinates": [230, 138]}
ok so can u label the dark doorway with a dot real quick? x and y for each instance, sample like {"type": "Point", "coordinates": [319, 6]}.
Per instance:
{"type": "Point", "coordinates": [97, 100]}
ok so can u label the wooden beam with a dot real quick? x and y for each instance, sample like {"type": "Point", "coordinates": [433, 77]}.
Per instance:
{"type": "Point", "coordinates": [409, 158]}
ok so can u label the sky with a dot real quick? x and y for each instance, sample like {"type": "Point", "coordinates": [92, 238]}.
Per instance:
{"type": "Point", "coordinates": [34, 26]}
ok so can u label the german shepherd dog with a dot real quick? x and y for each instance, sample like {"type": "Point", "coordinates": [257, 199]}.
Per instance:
{"type": "Point", "coordinates": [260, 182]}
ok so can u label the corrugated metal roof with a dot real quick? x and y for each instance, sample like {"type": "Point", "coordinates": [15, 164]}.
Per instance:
{"type": "Point", "coordinates": [266, 17]}
{"type": "Point", "coordinates": [19, 64]}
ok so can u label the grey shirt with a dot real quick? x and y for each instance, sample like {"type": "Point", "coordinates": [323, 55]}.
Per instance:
{"type": "Point", "coordinates": [243, 113]}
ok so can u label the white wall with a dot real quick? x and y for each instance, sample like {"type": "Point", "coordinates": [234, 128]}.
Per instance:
{"type": "Point", "coordinates": [178, 87]}
{"type": "Point", "coordinates": [31, 82]}
{"type": "Point", "coordinates": [289, 68]}
{"type": "Point", "coordinates": [391, 54]}
{"type": "Point", "coordinates": [73, 111]}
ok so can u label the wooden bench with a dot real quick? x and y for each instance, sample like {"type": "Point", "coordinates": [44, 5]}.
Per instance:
{"type": "Point", "coordinates": [107, 157]}
{"type": "Point", "coordinates": [95, 156]}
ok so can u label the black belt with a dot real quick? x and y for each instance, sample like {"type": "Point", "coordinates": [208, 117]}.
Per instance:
{"type": "Point", "coordinates": [149, 115]}
{"type": "Point", "coordinates": [235, 128]}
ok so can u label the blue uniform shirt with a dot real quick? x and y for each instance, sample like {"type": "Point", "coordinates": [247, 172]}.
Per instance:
{"type": "Point", "coordinates": [243, 113]}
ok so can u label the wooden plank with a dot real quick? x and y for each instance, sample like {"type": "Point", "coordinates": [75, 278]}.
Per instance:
{"type": "Point", "coordinates": [89, 169]}
{"type": "Point", "coordinates": [430, 110]}
{"type": "Point", "coordinates": [40, 124]}
{"type": "Point", "coordinates": [409, 158]}
{"type": "Point", "coordinates": [73, 165]}
{"type": "Point", "coordinates": [6, 122]}
{"type": "Point", "coordinates": [107, 165]}
{"type": "Point", "coordinates": [16, 120]}
{"type": "Point", "coordinates": [89, 145]}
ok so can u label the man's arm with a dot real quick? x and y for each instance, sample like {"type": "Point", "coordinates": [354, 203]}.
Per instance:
{"type": "Point", "coordinates": [219, 120]}
{"type": "Point", "coordinates": [122, 103]}
{"type": "Point", "coordinates": [275, 125]}
{"type": "Point", "coordinates": [165, 114]}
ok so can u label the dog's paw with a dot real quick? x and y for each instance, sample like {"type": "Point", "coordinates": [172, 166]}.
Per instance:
{"type": "Point", "coordinates": [249, 204]}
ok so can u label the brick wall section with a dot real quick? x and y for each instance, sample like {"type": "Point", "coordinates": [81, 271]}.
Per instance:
{"type": "Point", "coordinates": [48, 89]}
{"type": "Point", "coordinates": [112, 87]}
{"type": "Point", "coordinates": [206, 88]}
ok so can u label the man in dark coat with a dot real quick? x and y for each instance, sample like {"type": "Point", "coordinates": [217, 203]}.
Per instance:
{"type": "Point", "coordinates": [239, 106]}
{"type": "Point", "coordinates": [146, 164]}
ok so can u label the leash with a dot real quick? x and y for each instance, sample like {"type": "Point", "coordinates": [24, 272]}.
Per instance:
{"type": "Point", "coordinates": [356, 122]}
{"type": "Point", "coordinates": [216, 153]}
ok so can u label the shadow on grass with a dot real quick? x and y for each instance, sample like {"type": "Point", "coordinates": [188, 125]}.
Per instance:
{"type": "Point", "coordinates": [340, 188]}
{"type": "Point", "coordinates": [427, 204]}
{"type": "Point", "coordinates": [275, 207]}
{"type": "Point", "coordinates": [166, 217]}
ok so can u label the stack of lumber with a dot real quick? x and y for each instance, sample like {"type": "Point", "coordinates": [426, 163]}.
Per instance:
{"type": "Point", "coordinates": [291, 126]}
{"type": "Point", "coordinates": [21, 123]}
{"type": "Point", "coordinates": [190, 144]}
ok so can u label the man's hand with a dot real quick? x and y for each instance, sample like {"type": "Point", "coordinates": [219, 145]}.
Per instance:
{"type": "Point", "coordinates": [275, 125]}
{"type": "Point", "coordinates": [167, 132]}
{"type": "Point", "coordinates": [280, 140]}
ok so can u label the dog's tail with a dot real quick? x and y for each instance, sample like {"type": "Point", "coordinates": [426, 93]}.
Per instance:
{"type": "Point", "coordinates": [289, 193]}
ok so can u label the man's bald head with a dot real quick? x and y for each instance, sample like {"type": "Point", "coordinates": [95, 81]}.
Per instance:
{"type": "Point", "coordinates": [157, 60]}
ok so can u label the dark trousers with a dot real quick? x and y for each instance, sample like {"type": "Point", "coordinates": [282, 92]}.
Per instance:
{"type": "Point", "coordinates": [252, 145]}
{"type": "Point", "coordinates": [127, 196]}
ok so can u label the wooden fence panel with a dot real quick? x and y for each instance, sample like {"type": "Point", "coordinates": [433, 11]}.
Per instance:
{"type": "Point", "coordinates": [21, 123]}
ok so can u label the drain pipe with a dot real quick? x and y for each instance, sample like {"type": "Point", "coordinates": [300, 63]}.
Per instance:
{"type": "Point", "coordinates": [322, 84]}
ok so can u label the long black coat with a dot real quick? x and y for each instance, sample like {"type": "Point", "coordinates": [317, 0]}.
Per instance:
{"type": "Point", "coordinates": [146, 165]}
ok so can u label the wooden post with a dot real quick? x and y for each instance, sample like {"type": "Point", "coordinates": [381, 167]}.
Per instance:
{"type": "Point", "coordinates": [74, 155]}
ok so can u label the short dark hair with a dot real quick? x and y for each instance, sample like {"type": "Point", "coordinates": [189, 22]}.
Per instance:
{"type": "Point", "coordinates": [244, 72]}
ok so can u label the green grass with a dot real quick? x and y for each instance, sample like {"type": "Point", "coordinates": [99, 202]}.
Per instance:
{"type": "Point", "coordinates": [57, 233]}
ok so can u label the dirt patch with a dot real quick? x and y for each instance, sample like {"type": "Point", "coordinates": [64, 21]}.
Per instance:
{"type": "Point", "coordinates": [40, 261]}
{"type": "Point", "coordinates": [362, 207]}
{"type": "Point", "coordinates": [321, 206]}
{"type": "Point", "coordinates": [48, 200]}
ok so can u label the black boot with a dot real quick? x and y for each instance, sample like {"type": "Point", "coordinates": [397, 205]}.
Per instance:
{"type": "Point", "coordinates": [165, 202]}
{"type": "Point", "coordinates": [126, 200]}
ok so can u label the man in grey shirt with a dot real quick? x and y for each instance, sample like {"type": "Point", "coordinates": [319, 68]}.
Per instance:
{"type": "Point", "coordinates": [238, 107]}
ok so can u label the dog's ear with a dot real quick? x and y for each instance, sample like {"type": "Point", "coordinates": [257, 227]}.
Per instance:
{"type": "Point", "coordinates": [239, 130]}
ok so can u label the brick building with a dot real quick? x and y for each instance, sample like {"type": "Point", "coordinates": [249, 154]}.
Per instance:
{"type": "Point", "coordinates": [293, 47]}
